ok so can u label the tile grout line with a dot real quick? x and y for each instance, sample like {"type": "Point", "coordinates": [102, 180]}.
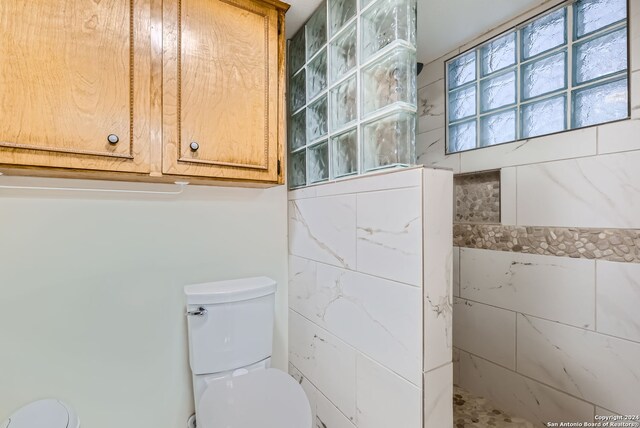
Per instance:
{"type": "Point", "coordinates": [635, 342]}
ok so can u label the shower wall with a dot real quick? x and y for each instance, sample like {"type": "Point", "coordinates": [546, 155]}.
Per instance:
{"type": "Point", "coordinates": [370, 299]}
{"type": "Point", "coordinates": [547, 289]}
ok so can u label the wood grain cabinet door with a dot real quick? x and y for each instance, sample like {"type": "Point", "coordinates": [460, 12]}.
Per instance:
{"type": "Point", "coordinates": [220, 89]}
{"type": "Point", "coordinates": [72, 73]}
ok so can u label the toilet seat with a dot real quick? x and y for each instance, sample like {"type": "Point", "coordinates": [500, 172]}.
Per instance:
{"type": "Point", "coordinates": [267, 398]}
{"type": "Point", "coordinates": [49, 413]}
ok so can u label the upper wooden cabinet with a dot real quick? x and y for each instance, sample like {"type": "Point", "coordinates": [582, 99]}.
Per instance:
{"type": "Point", "coordinates": [188, 88]}
{"type": "Point", "coordinates": [220, 89]}
{"type": "Point", "coordinates": [72, 73]}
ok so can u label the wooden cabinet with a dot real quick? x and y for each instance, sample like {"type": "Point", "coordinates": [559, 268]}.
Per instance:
{"type": "Point", "coordinates": [143, 89]}
{"type": "Point", "coordinates": [72, 73]}
{"type": "Point", "coordinates": [221, 89]}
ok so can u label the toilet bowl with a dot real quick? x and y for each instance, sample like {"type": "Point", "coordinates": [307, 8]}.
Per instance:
{"type": "Point", "coordinates": [49, 413]}
{"type": "Point", "coordinates": [262, 398]}
{"type": "Point", "coordinates": [230, 328]}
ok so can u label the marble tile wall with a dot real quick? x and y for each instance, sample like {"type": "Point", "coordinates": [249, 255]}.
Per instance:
{"type": "Point", "coordinates": [358, 333]}
{"type": "Point", "coordinates": [546, 323]}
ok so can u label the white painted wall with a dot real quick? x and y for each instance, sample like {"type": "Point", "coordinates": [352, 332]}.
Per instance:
{"type": "Point", "coordinates": [91, 304]}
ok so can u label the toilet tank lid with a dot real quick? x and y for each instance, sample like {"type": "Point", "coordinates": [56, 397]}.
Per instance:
{"type": "Point", "coordinates": [235, 290]}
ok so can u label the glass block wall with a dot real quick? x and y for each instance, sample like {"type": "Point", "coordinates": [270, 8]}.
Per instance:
{"type": "Point", "coordinates": [352, 90]}
{"type": "Point", "coordinates": [565, 69]}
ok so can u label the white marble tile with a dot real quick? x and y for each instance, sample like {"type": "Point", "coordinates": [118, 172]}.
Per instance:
{"type": "Point", "coordinates": [384, 399]}
{"type": "Point", "coordinates": [556, 288]}
{"type": "Point", "coordinates": [600, 191]}
{"type": "Point", "coordinates": [634, 34]}
{"type": "Point", "coordinates": [485, 331]}
{"type": "Point", "coordinates": [600, 369]}
{"type": "Point", "coordinates": [328, 415]}
{"type": "Point", "coordinates": [433, 71]}
{"type": "Point", "coordinates": [430, 151]}
{"type": "Point", "coordinates": [438, 393]}
{"type": "Point", "coordinates": [431, 107]}
{"type": "Point", "coordinates": [508, 200]}
{"type": "Point", "coordinates": [378, 317]}
{"type": "Point", "coordinates": [619, 136]}
{"type": "Point", "coordinates": [389, 235]}
{"type": "Point", "coordinates": [437, 264]}
{"type": "Point", "coordinates": [326, 361]}
{"type": "Point", "coordinates": [456, 366]}
{"type": "Point", "coordinates": [304, 192]}
{"type": "Point", "coordinates": [456, 271]}
{"type": "Point", "coordinates": [566, 145]}
{"type": "Point", "coordinates": [516, 394]}
{"type": "Point", "coordinates": [309, 389]}
{"type": "Point", "coordinates": [618, 299]}
{"type": "Point", "coordinates": [635, 94]}
{"type": "Point", "coordinates": [387, 179]}
{"type": "Point", "coordinates": [323, 229]}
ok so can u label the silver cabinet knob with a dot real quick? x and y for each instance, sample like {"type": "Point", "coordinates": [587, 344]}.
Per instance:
{"type": "Point", "coordinates": [113, 139]}
{"type": "Point", "coordinates": [194, 146]}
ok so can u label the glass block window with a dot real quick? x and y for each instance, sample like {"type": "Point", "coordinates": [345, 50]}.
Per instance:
{"type": "Point", "coordinates": [352, 90]}
{"type": "Point", "coordinates": [565, 69]}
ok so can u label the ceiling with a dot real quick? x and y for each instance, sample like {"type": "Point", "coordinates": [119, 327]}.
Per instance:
{"type": "Point", "coordinates": [443, 25]}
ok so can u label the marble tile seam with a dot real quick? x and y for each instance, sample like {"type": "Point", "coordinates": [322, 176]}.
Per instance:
{"type": "Point", "coordinates": [357, 351]}
{"type": "Point", "coordinates": [529, 378]}
{"type": "Point", "coordinates": [525, 314]}
{"type": "Point", "coordinates": [355, 270]}
{"type": "Point", "coordinates": [318, 390]}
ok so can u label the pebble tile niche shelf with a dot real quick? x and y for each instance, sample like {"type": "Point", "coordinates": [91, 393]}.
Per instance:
{"type": "Point", "coordinates": [352, 90]}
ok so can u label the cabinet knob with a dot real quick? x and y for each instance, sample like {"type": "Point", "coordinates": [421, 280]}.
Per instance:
{"type": "Point", "coordinates": [194, 146]}
{"type": "Point", "coordinates": [113, 139]}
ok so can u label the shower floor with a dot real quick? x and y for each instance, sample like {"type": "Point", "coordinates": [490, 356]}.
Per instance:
{"type": "Point", "coordinates": [473, 411]}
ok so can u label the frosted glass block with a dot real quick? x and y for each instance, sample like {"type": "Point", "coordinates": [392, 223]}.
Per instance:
{"type": "Point", "coordinates": [298, 130]}
{"type": "Point", "coordinates": [317, 119]}
{"type": "Point", "coordinates": [344, 103]}
{"type": "Point", "coordinates": [318, 162]}
{"type": "Point", "coordinates": [462, 70]}
{"type": "Point", "coordinates": [317, 75]}
{"type": "Point", "coordinates": [297, 55]}
{"type": "Point", "coordinates": [297, 89]}
{"type": "Point", "coordinates": [591, 15]}
{"type": "Point", "coordinates": [600, 103]}
{"type": "Point", "coordinates": [462, 136]}
{"type": "Point", "coordinates": [498, 91]}
{"type": "Point", "coordinates": [340, 11]}
{"type": "Point", "coordinates": [343, 51]}
{"type": "Point", "coordinates": [316, 29]}
{"type": "Point", "coordinates": [498, 128]}
{"type": "Point", "coordinates": [498, 54]}
{"type": "Point", "coordinates": [600, 57]}
{"type": "Point", "coordinates": [389, 141]}
{"type": "Point", "coordinates": [297, 169]}
{"type": "Point", "coordinates": [544, 75]}
{"type": "Point", "coordinates": [344, 150]}
{"type": "Point", "coordinates": [543, 117]}
{"type": "Point", "coordinates": [544, 33]}
{"type": "Point", "coordinates": [462, 103]}
{"type": "Point", "coordinates": [385, 22]}
{"type": "Point", "coordinates": [389, 80]}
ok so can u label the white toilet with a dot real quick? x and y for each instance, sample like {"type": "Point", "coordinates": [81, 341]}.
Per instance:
{"type": "Point", "coordinates": [49, 413]}
{"type": "Point", "coordinates": [230, 327]}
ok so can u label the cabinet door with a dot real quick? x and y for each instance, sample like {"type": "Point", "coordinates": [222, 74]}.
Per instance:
{"type": "Point", "coordinates": [73, 72]}
{"type": "Point", "coordinates": [220, 92]}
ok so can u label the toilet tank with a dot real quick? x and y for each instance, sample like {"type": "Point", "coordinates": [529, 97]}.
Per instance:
{"type": "Point", "coordinates": [230, 323]}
